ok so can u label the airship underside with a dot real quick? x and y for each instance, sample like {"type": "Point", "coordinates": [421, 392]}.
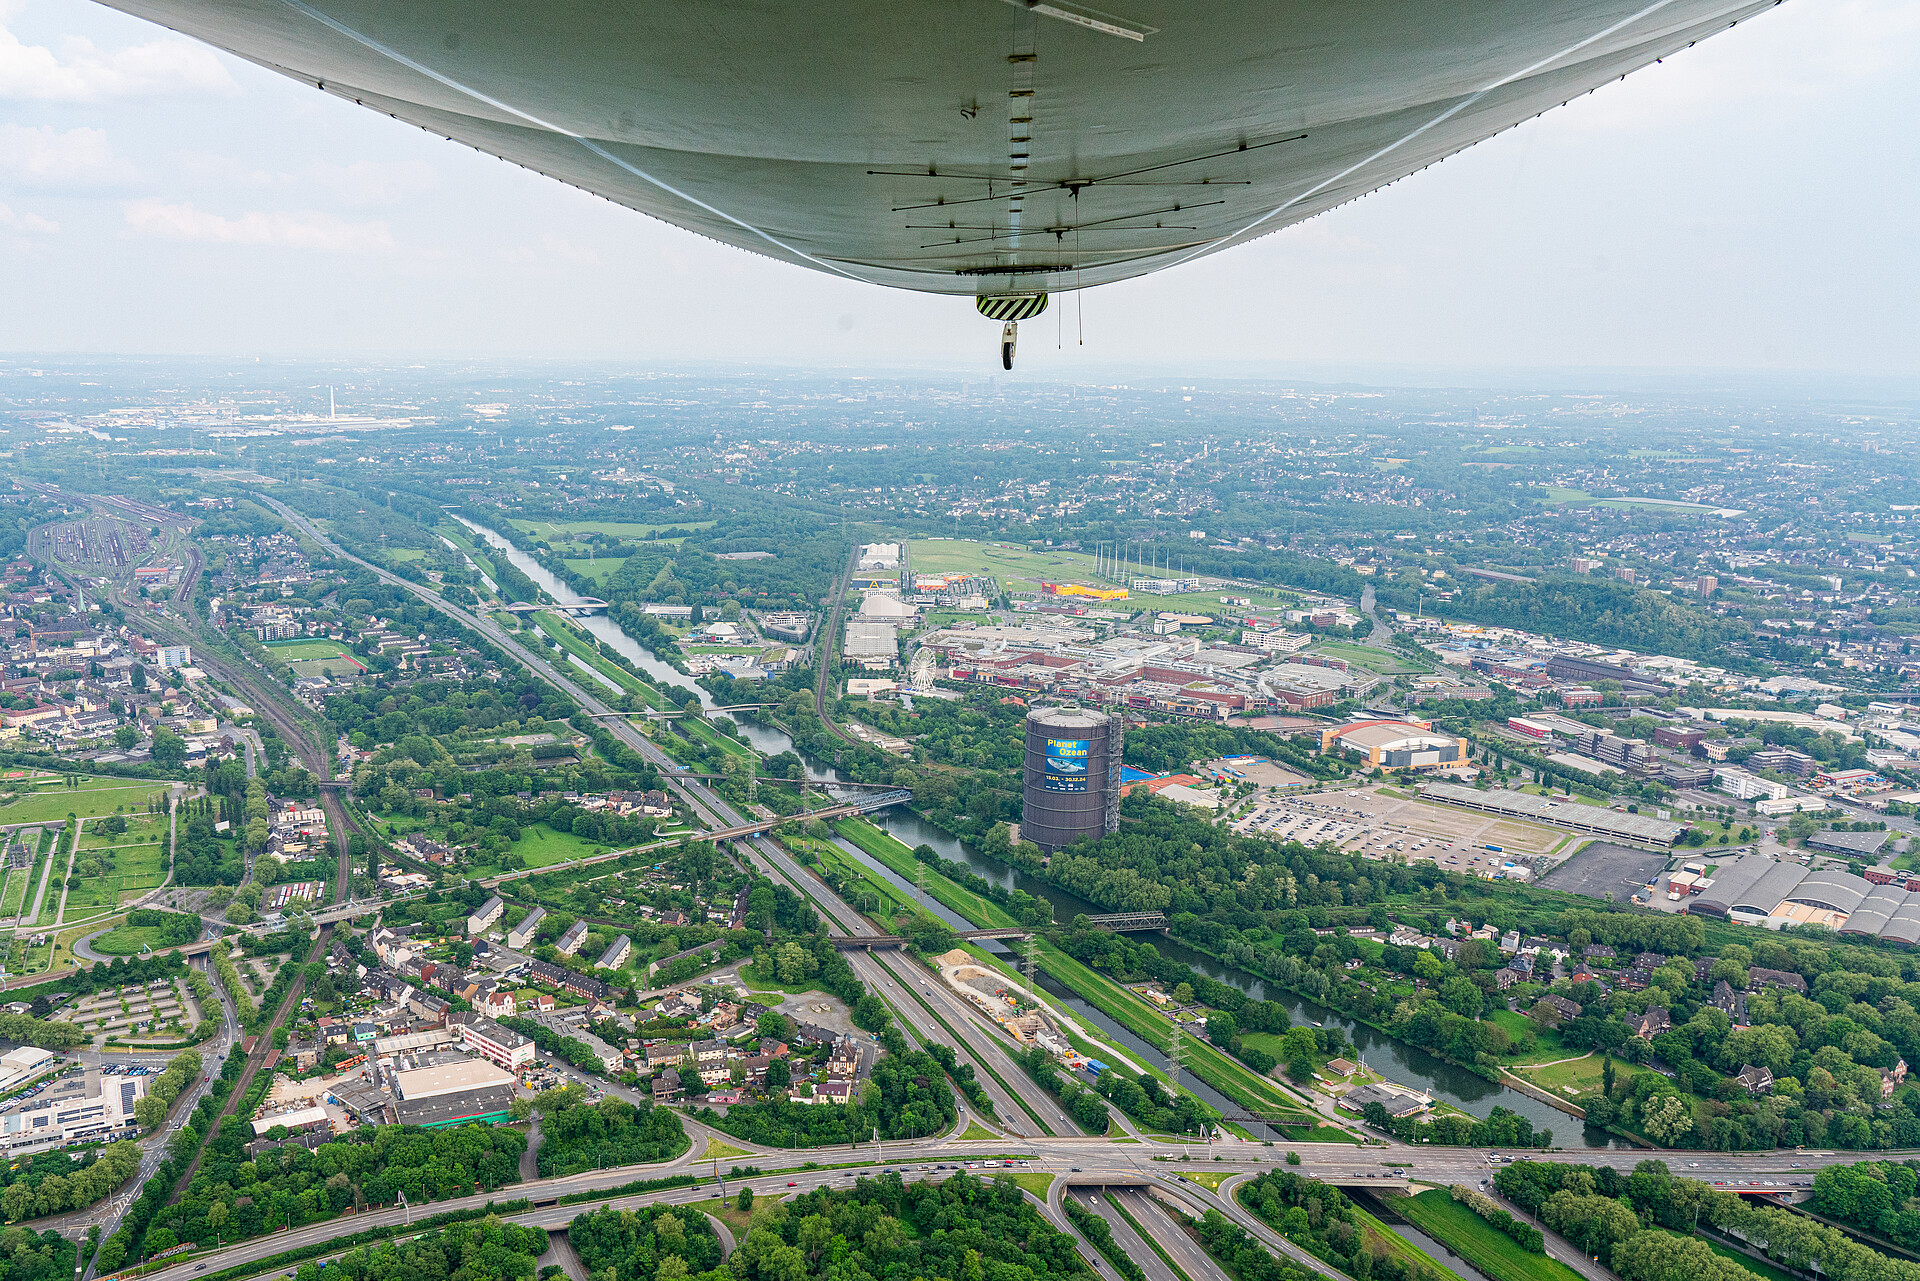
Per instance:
{"type": "Point", "coordinates": [973, 147]}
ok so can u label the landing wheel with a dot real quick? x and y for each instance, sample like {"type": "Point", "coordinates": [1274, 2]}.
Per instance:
{"type": "Point", "coordinates": [1011, 309]}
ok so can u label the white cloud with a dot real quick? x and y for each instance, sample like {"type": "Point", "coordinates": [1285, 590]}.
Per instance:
{"type": "Point", "coordinates": [32, 223]}
{"type": "Point", "coordinates": [289, 229]}
{"type": "Point", "coordinates": [49, 157]}
{"type": "Point", "coordinates": [79, 72]}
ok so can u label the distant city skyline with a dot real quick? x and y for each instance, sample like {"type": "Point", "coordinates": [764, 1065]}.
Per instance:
{"type": "Point", "coordinates": [1745, 206]}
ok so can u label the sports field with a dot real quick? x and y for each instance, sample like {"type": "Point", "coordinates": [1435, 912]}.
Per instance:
{"type": "Point", "coordinates": [292, 651]}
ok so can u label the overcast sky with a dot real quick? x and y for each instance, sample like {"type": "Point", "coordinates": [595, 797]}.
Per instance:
{"type": "Point", "coordinates": [1750, 204]}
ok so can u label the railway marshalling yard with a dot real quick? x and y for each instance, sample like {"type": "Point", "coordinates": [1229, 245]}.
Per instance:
{"type": "Point", "coordinates": [1383, 823]}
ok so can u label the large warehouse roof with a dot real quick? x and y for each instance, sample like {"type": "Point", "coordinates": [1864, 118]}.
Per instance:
{"type": "Point", "coordinates": [1755, 886]}
{"type": "Point", "coordinates": [1581, 818]}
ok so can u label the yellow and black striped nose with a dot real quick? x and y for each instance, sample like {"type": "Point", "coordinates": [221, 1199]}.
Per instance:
{"type": "Point", "coordinates": [1011, 306]}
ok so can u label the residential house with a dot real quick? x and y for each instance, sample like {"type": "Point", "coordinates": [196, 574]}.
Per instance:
{"type": "Point", "coordinates": [1562, 1006]}
{"type": "Point", "coordinates": [1759, 978]}
{"type": "Point", "coordinates": [1650, 1024]}
{"type": "Point", "coordinates": [1757, 1080]}
{"type": "Point", "coordinates": [666, 1085]}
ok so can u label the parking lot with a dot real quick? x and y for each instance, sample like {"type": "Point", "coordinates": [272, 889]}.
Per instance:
{"type": "Point", "coordinates": [1384, 826]}
{"type": "Point", "coordinates": [1603, 868]}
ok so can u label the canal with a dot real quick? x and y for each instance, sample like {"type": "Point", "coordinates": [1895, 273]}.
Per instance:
{"type": "Point", "coordinates": [1392, 1058]}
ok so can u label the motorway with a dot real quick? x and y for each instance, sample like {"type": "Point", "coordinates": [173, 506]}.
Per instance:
{"type": "Point", "coordinates": [1092, 1163]}
{"type": "Point", "coordinates": [933, 1013]}
{"type": "Point", "coordinates": [1023, 1107]}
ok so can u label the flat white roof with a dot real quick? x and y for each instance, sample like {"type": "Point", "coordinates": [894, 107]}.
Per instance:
{"type": "Point", "coordinates": [427, 1083]}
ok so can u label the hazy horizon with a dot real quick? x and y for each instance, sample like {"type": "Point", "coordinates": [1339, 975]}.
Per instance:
{"type": "Point", "coordinates": [1743, 208]}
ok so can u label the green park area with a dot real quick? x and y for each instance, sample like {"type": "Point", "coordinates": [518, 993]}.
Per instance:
{"type": "Point", "coordinates": [128, 865]}
{"type": "Point", "coordinates": [49, 799]}
{"type": "Point", "coordinates": [1381, 662]}
{"type": "Point", "coordinates": [128, 940]}
{"type": "Point", "coordinates": [598, 568]}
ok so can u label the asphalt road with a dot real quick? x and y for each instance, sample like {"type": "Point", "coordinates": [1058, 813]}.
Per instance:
{"type": "Point", "coordinates": [717, 813]}
{"type": "Point", "coordinates": [1100, 1162]}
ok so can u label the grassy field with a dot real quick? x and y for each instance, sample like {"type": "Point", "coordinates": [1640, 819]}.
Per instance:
{"type": "Point", "coordinates": [1519, 1025]}
{"type": "Point", "coordinates": [1023, 569]}
{"type": "Point", "coordinates": [1436, 1213]}
{"type": "Point", "coordinates": [93, 798]}
{"type": "Point", "coordinates": [1581, 1076]}
{"type": "Point", "coordinates": [1381, 662]}
{"type": "Point", "coordinates": [898, 859]}
{"type": "Point", "coordinates": [1034, 1183]}
{"type": "Point", "coordinates": [127, 940]}
{"type": "Point", "coordinates": [14, 890]}
{"type": "Point", "coordinates": [598, 568]}
{"type": "Point", "coordinates": [314, 650]}
{"type": "Point", "coordinates": [135, 871]}
{"type": "Point", "coordinates": [541, 846]}
{"type": "Point", "coordinates": [559, 629]}
{"type": "Point", "coordinates": [869, 891]}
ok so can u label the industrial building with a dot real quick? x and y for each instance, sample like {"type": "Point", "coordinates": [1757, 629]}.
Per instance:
{"type": "Point", "coordinates": [507, 1048]}
{"type": "Point", "coordinates": [1758, 891]}
{"type": "Point", "coordinates": [871, 644]}
{"type": "Point", "coordinates": [1072, 784]}
{"type": "Point", "coordinates": [1395, 744]}
{"type": "Point", "coordinates": [52, 1121]}
{"type": "Point", "coordinates": [453, 1094]}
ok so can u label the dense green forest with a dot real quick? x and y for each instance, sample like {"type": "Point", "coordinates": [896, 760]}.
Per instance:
{"type": "Point", "coordinates": [1604, 611]}
{"type": "Point", "coordinates": [232, 1197]}
{"type": "Point", "coordinates": [577, 1136]}
{"type": "Point", "coordinates": [482, 1250]}
{"type": "Point", "coordinates": [958, 1230]}
{"type": "Point", "coordinates": [1621, 1219]}
{"type": "Point", "coordinates": [1319, 1219]}
{"type": "Point", "coordinates": [647, 1243]}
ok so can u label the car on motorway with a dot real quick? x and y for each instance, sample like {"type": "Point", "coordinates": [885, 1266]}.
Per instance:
{"type": "Point", "coordinates": [792, 1184]}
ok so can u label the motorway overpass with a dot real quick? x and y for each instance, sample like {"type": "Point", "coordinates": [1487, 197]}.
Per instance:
{"type": "Point", "coordinates": [759, 827]}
